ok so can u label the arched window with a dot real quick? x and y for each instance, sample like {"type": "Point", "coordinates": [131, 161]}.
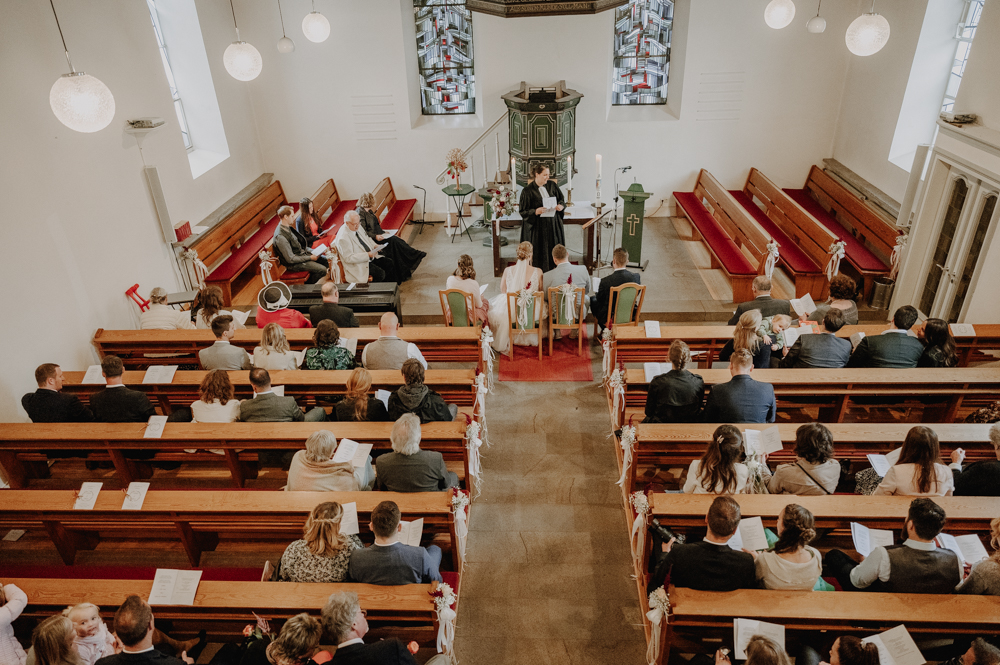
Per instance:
{"type": "Point", "coordinates": [444, 57]}
{"type": "Point", "coordinates": [642, 52]}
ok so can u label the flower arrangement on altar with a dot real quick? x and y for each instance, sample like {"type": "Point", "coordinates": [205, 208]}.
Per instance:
{"type": "Point", "coordinates": [456, 164]}
{"type": "Point", "coordinates": [502, 203]}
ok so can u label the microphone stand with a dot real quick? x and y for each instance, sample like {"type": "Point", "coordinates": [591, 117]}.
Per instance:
{"type": "Point", "coordinates": [423, 211]}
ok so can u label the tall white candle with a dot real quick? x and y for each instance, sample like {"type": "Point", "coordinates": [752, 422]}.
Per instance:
{"type": "Point", "coordinates": [486, 173]}
{"type": "Point", "coordinates": [513, 173]}
{"type": "Point", "coordinates": [569, 177]}
{"type": "Point", "coordinates": [598, 167]}
{"type": "Point", "coordinates": [498, 150]}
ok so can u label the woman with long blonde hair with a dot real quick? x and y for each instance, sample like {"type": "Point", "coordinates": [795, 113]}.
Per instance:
{"type": "Point", "coordinates": [323, 552]}
{"type": "Point", "coordinates": [521, 276]}
{"type": "Point", "coordinates": [746, 337]}
{"type": "Point", "coordinates": [358, 404]}
{"type": "Point", "coordinates": [405, 258]}
{"type": "Point", "coordinates": [53, 640]}
{"type": "Point", "coordinates": [274, 352]}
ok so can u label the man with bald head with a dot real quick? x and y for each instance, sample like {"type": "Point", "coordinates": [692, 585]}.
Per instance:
{"type": "Point", "coordinates": [389, 351]}
{"type": "Point", "coordinates": [358, 255]}
{"type": "Point", "coordinates": [332, 309]}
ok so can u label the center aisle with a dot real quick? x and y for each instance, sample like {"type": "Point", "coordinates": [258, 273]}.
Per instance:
{"type": "Point", "coordinates": [547, 577]}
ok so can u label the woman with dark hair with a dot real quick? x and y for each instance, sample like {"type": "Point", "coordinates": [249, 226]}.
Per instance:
{"type": "Point", "coordinates": [815, 471]}
{"type": "Point", "coordinates": [850, 650]}
{"type": "Point", "coordinates": [919, 471]}
{"type": "Point", "coordinates": [464, 279]}
{"type": "Point", "coordinates": [209, 306]}
{"type": "Point", "coordinates": [405, 258]}
{"type": "Point", "coordinates": [721, 469]}
{"type": "Point", "coordinates": [842, 292]}
{"type": "Point", "coordinates": [309, 224]}
{"type": "Point", "coordinates": [327, 354]}
{"type": "Point", "coordinates": [678, 395]}
{"type": "Point", "coordinates": [792, 564]}
{"type": "Point", "coordinates": [543, 232]}
{"type": "Point", "coordinates": [358, 405]}
{"type": "Point", "coordinates": [216, 403]}
{"type": "Point", "coordinates": [940, 350]}
{"type": "Point", "coordinates": [746, 337]}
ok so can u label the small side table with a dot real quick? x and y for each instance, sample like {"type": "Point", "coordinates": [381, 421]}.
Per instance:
{"type": "Point", "coordinates": [458, 193]}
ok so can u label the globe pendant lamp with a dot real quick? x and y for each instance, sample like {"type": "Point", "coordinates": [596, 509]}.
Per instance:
{"type": "Point", "coordinates": [241, 59]}
{"type": "Point", "coordinates": [285, 45]}
{"type": "Point", "coordinates": [816, 24]}
{"type": "Point", "coordinates": [868, 33]}
{"type": "Point", "coordinates": [315, 26]}
{"type": "Point", "coordinates": [80, 101]}
{"type": "Point", "coordinates": [779, 13]}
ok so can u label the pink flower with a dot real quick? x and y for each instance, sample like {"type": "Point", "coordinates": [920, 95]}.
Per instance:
{"type": "Point", "coordinates": [412, 647]}
{"type": "Point", "coordinates": [248, 630]}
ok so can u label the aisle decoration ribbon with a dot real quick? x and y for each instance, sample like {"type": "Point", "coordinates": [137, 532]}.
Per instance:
{"type": "Point", "coordinates": [479, 407]}
{"type": "Point", "coordinates": [266, 263]}
{"type": "Point", "coordinates": [836, 253]}
{"type": "Point", "coordinates": [606, 362]}
{"type": "Point", "coordinates": [627, 442]}
{"type": "Point", "coordinates": [200, 269]}
{"type": "Point", "coordinates": [333, 263]}
{"type": "Point", "coordinates": [616, 384]}
{"type": "Point", "coordinates": [897, 254]}
{"type": "Point", "coordinates": [772, 258]}
{"type": "Point", "coordinates": [568, 302]}
{"type": "Point", "coordinates": [474, 442]}
{"type": "Point", "coordinates": [460, 506]}
{"type": "Point", "coordinates": [659, 612]}
{"type": "Point", "coordinates": [524, 299]}
{"type": "Point", "coordinates": [444, 601]}
{"type": "Point", "coordinates": [489, 355]}
{"type": "Point", "coordinates": [640, 502]}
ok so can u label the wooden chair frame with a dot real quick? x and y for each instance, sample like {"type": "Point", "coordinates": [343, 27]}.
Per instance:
{"type": "Point", "coordinates": [512, 320]}
{"type": "Point", "coordinates": [579, 324]}
{"type": "Point", "coordinates": [470, 307]}
{"type": "Point", "coordinates": [613, 305]}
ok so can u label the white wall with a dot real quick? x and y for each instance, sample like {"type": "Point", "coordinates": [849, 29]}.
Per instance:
{"type": "Point", "coordinates": [979, 92]}
{"type": "Point", "coordinates": [80, 226]}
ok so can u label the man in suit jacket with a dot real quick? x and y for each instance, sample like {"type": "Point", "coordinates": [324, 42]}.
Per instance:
{"type": "Point", "coordinates": [222, 354]}
{"type": "Point", "coordinates": [345, 622]}
{"type": "Point", "coordinates": [564, 272]}
{"type": "Point", "coordinates": [48, 405]}
{"type": "Point", "coordinates": [116, 403]}
{"type": "Point", "coordinates": [134, 626]}
{"type": "Point", "coordinates": [762, 300]}
{"type": "Point", "coordinates": [741, 399]}
{"type": "Point", "coordinates": [358, 255]}
{"type": "Point", "coordinates": [823, 348]}
{"type": "Point", "coordinates": [292, 250]}
{"type": "Point", "coordinates": [389, 562]}
{"type": "Point", "coordinates": [332, 310]}
{"type": "Point", "coordinates": [710, 564]}
{"type": "Point", "coordinates": [269, 407]}
{"type": "Point", "coordinates": [599, 303]}
{"type": "Point", "coordinates": [894, 347]}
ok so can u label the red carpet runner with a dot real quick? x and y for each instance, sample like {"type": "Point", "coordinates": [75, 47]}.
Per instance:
{"type": "Point", "coordinates": [563, 365]}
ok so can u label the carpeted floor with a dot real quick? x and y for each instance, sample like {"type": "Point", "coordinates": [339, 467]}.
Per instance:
{"type": "Point", "coordinates": [565, 363]}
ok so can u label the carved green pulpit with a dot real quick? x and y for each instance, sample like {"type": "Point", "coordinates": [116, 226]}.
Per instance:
{"type": "Point", "coordinates": [635, 206]}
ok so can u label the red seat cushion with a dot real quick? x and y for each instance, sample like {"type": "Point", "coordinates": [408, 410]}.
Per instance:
{"type": "Point", "coordinates": [857, 253]}
{"type": "Point", "coordinates": [246, 253]}
{"type": "Point", "coordinates": [336, 218]}
{"type": "Point", "coordinates": [790, 252]}
{"type": "Point", "coordinates": [724, 247]}
{"type": "Point", "coordinates": [398, 214]}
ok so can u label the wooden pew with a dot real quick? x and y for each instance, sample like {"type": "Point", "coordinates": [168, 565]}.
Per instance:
{"type": "Point", "coordinates": [834, 389]}
{"type": "Point", "coordinates": [737, 243]}
{"type": "Point", "coordinates": [455, 385]}
{"type": "Point", "coordinates": [200, 518]}
{"type": "Point", "coordinates": [22, 444]}
{"type": "Point", "coordinates": [330, 207]}
{"type": "Point", "coordinates": [436, 343]}
{"type": "Point", "coordinates": [393, 213]}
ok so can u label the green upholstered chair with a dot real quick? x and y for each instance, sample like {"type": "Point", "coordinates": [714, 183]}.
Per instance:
{"type": "Point", "coordinates": [534, 320]}
{"type": "Point", "coordinates": [557, 314]}
{"type": "Point", "coordinates": [458, 308]}
{"type": "Point", "coordinates": [624, 306]}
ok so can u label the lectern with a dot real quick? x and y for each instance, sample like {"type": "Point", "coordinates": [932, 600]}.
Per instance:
{"type": "Point", "coordinates": [635, 206]}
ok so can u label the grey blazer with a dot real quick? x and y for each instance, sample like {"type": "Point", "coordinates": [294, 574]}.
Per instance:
{"type": "Point", "coordinates": [819, 350]}
{"type": "Point", "coordinates": [391, 565]}
{"type": "Point", "coordinates": [223, 355]}
{"type": "Point", "coordinates": [558, 276]}
{"type": "Point", "coordinates": [887, 350]}
{"type": "Point", "coordinates": [270, 408]}
{"type": "Point", "coordinates": [423, 471]}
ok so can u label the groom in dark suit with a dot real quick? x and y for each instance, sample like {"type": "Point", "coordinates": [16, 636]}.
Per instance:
{"type": "Point", "coordinates": [741, 399]}
{"type": "Point", "coordinates": [894, 347]}
{"type": "Point", "coordinates": [599, 303]}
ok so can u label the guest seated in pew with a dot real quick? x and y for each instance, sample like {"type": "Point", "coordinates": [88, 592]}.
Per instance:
{"type": "Point", "coordinates": [208, 304]}
{"type": "Point", "coordinates": [389, 351]}
{"type": "Point", "coordinates": [313, 469]}
{"type": "Point", "coordinates": [895, 347]}
{"type": "Point", "coordinates": [404, 258]}
{"type": "Point", "coordinates": [464, 279]}
{"type": "Point", "coordinates": [710, 564]}
{"type": "Point", "coordinates": [792, 565]}
{"type": "Point", "coordinates": [846, 650]}
{"type": "Point", "coordinates": [93, 639]}
{"type": "Point", "coordinates": [345, 621]}
{"type": "Point", "coordinates": [161, 316]}
{"type": "Point", "coordinates": [223, 355]}
{"type": "Point", "coordinates": [12, 603]}
{"type": "Point", "coordinates": [984, 578]}
{"type": "Point", "coordinates": [408, 468]}
{"type": "Point", "coordinates": [678, 395]}
{"type": "Point", "coordinates": [919, 471]}
{"type": "Point", "coordinates": [916, 566]}
{"type": "Point", "coordinates": [564, 272]}
{"type": "Point", "coordinates": [980, 652]}
{"type": "Point", "coordinates": [274, 353]}
{"type": "Point", "coordinates": [600, 302]}
{"type": "Point", "coordinates": [762, 301]}
{"type": "Point", "coordinates": [216, 403]}
{"type": "Point", "coordinates": [327, 354]}
{"type": "Point", "coordinates": [292, 250]}
{"type": "Point", "coordinates": [267, 407]}
{"type": "Point", "coordinates": [822, 348]}
{"type": "Point", "coordinates": [418, 399]}
{"type": "Point", "coordinates": [358, 256]}
{"type": "Point", "coordinates": [721, 469]}
{"type": "Point", "coordinates": [771, 328]}
{"type": "Point", "coordinates": [308, 224]}
{"type": "Point", "coordinates": [323, 552]}
{"type": "Point", "coordinates": [741, 399]}
{"type": "Point", "coordinates": [815, 472]}
{"type": "Point", "coordinates": [745, 337]}
{"type": "Point", "coordinates": [842, 292]}
{"type": "Point", "coordinates": [48, 404]}
{"type": "Point", "coordinates": [296, 644]}
{"type": "Point", "coordinates": [52, 642]}
{"type": "Point", "coordinates": [273, 307]}
{"type": "Point", "coordinates": [358, 405]}
{"type": "Point", "coordinates": [117, 403]}
{"type": "Point", "coordinates": [940, 349]}
{"type": "Point", "coordinates": [136, 631]}
{"type": "Point", "coordinates": [332, 309]}
{"type": "Point", "coordinates": [389, 562]}
{"type": "Point", "coordinates": [760, 650]}
{"type": "Point", "coordinates": [981, 478]}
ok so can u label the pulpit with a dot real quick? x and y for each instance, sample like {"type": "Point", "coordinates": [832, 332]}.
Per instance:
{"type": "Point", "coordinates": [635, 207]}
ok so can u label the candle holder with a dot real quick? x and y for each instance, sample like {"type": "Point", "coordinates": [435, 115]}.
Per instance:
{"type": "Point", "coordinates": [569, 197]}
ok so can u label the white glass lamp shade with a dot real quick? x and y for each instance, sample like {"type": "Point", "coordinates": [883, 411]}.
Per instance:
{"type": "Point", "coordinates": [779, 13]}
{"type": "Point", "coordinates": [816, 24]}
{"type": "Point", "coordinates": [315, 27]}
{"type": "Point", "coordinates": [285, 45]}
{"type": "Point", "coordinates": [242, 61]}
{"type": "Point", "coordinates": [867, 34]}
{"type": "Point", "coordinates": [82, 102]}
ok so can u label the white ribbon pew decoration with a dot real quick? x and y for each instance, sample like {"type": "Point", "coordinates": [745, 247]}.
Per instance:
{"type": "Point", "coordinates": [473, 443]}
{"type": "Point", "coordinates": [459, 506]}
{"type": "Point", "coordinates": [836, 252]}
{"type": "Point", "coordinates": [658, 614]}
{"type": "Point", "coordinates": [897, 255]}
{"type": "Point", "coordinates": [772, 258]}
{"type": "Point", "coordinates": [266, 263]}
{"type": "Point", "coordinates": [616, 384]}
{"type": "Point", "coordinates": [479, 408]}
{"type": "Point", "coordinates": [568, 301]}
{"type": "Point", "coordinates": [333, 261]}
{"type": "Point", "coordinates": [489, 355]}
{"type": "Point", "coordinates": [627, 442]}
{"type": "Point", "coordinates": [444, 598]}
{"type": "Point", "coordinates": [640, 502]}
{"type": "Point", "coordinates": [200, 269]}
{"type": "Point", "coordinates": [606, 347]}
{"type": "Point", "coordinates": [524, 299]}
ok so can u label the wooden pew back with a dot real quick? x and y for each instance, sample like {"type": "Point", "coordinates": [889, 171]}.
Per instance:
{"type": "Point", "coordinates": [325, 198]}
{"type": "Point", "coordinates": [385, 197]}
{"type": "Point", "coordinates": [743, 229]}
{"type": "Point", "coordinates": [226, 236]}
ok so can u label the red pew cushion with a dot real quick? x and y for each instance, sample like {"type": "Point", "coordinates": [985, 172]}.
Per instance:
{"type": "Point", "coordinates": [246, 253]}
{"type": "Point", "coordinates": [857, 253]}
{"type": "Point", "coordinates": [398, 213]}
{"type": "Point", "coordinates": [791, 254]}
{"type": "Point", "coordinates": [727, 251]}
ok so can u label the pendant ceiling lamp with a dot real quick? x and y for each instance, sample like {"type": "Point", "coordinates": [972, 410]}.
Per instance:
{"type": "Point", "coordinates": [817, 24]}
{"type": "Point", "coordinates": [868, 33]}
{"type": "Point", "coordinates": [315, 26]}
{"type": "Point", "coordinates": [779, 13]}
{"type": "Point", "coordinates": [285, 45]}
{"type": "Point", "coordinates": [80, 101]}
{"type": "Point", "coordinates": [242, 60]}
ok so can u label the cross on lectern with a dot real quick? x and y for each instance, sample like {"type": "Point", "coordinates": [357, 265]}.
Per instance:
{"type": "Point", "coordinates": [633, 219]}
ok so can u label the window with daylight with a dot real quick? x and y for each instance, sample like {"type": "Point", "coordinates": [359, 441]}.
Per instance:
{"type": "Point", "coordinates": [964, 34]}
{"type": "Point", "coordinates": [178, 104]}
{"type": "Point", "coordinates": [444, 57]}
{"type": "Point", "coordinates": [642, 52]}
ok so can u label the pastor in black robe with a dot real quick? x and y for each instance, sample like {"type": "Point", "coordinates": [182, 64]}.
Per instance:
{"type": "Point", "coordinates": [543, 233]}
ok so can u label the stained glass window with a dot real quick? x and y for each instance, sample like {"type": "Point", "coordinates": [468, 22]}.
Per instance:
{"type": "Point", "coordinates": [642, 52]}
{"type": "Point", "coordinates": [444, 57]}
{"type": "Point", "coordinates": [964, 34]}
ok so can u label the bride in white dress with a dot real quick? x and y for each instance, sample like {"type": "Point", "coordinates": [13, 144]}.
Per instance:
{"type": "Point", "coordinates": [519, 276]}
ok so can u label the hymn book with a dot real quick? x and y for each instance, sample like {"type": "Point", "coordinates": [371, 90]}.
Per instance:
{"type": "Point", "coordinates": [383, 396]}
{"type": "Point", "coordinates": [968, 548]}
{"type": "Point", "coordinates": [318, 250]}
{"type": "Point", "coordinates": [652, 329]}
{"type": "Point", "coordinates": [240, 316]}
{"type": "Point", "coordinates": [653, 370]}
{"type": "Point", "coordinates": [744, 629]}
{"type": "Point", "coordinates": [349, 522]}
{"type": "Point", "coordinates": [349, 343]}
{"type": "Point", "coordinates": [789, 335]}
{"type": "Point", "coordinates": [962, 330]}
{"type": "Point", "coordinates": [749, 535]}
{"type": "Point", "coordinates": [881, 463]}
{"type": "Point", "coordinates": [411, 532]}
{"type": "Point", "coordinates": [174, 587]}
{"type": "Point", "coordinates": [549, 203]}
{"type": "Point", "coordinates": [866, 540]}
{"type": "Point", "coordinates": [94, 375]}
{"type": "Point", "coordinates": [856, 339]}
{"type": "Point", "coordinates": [352, 451]}
{"type": "Point", "coordinates": [160, 374]}
{"type": "Point", "coordinates": [896, 647]}
{"type": "Point", "coordinates": [764, 442]}
{"type": "Point", "coordinates": [803, 305]}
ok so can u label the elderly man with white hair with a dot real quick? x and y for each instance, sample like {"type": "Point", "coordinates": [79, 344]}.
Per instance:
{"type": "Point", "coordinates": [358, 254]}
{"type": "Point", "coordinates": [389, 351]}
{"type": "Point", "coordinates": [313, 469]}
{"type": "Point", "coordinates": [981, 478]}
{"type": "Point", "coordinates": [408, 468]}
{"type": "Point", "coordinates": [161, 316]}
